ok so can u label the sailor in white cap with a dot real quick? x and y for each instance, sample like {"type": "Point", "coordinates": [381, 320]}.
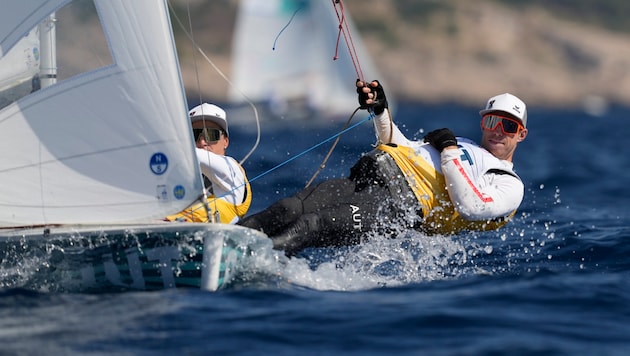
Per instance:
{"type": "Point", "coordinates": [228, 190]}
{"type": "Point", "coordinates": [441, 185]}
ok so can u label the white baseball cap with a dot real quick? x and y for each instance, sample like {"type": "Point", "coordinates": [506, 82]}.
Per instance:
{"type": "Point", "coordinates": [507, 103]}
{"type": "Point", "coordinates": [209, 112]}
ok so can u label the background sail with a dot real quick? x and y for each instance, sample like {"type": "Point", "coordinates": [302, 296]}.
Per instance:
{"type": "Point", "coordinates": [301, 68]}
{"type": "Point", "coordinates": [107, 146]}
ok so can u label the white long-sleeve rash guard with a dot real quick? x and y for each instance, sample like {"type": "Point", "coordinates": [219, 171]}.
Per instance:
{"type": "Point", "coordinates": [480, 186]}
{"type": "Point", "coordinates": [228, 180]}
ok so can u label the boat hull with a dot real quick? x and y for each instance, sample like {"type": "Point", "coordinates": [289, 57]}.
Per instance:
{"type": "Point", "coordinates": [124, 258]}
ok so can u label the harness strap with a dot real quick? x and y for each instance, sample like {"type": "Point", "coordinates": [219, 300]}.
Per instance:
{"type": "Point", "coordinates": [393, 177]}
{"type": "Point", "coordinates": [378, 167]}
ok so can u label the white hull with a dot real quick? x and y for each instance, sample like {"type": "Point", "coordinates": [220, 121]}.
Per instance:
{"type": "Point", "coordinates": [124, 258]}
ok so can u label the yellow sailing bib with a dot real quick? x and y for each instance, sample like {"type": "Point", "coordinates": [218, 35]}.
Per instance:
{"type": "Point", "coordinates": [429, 187]}
{"type": "Point", "coordinates": [226, 211]}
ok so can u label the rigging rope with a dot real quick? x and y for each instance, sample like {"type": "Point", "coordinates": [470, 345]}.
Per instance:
{"type": "Point", "coordinates": [335, 136]}
{"type": "Point", "coordinates": [287, 25]}
{"type": "Point", "coordinates": [203, 197]}
{"type": "Point", "coordinates": [347, 36]}
{"type": "Point", "coordinates": [203, 54]}
{"type": "Point", "coordinates": [343, 27]}
{"type": "Point", "coordinates": [332, 148]}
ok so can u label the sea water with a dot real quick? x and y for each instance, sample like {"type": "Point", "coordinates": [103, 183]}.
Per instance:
{"type": "Point", "coordinates": [554, 281]}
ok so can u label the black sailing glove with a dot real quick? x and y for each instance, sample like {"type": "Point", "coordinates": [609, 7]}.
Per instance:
{"type": "Point", "coordinates": [441, 139]}
{"type": "Point", "coordinates": [376, 94]}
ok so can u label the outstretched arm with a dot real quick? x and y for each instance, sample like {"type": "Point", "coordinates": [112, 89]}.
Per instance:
{"type": "Point", "coordinates": [372, 97]}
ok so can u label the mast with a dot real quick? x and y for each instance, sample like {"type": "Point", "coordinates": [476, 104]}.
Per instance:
{"type": "Point", "coordinates": [48, 50]}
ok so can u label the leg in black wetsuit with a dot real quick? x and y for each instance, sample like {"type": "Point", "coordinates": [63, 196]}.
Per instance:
{"type": "Point", "coordinates": [332, 213]}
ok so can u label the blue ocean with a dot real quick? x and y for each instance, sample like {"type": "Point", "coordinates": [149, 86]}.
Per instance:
{"type": "Point", "coordinates": [554, 281]}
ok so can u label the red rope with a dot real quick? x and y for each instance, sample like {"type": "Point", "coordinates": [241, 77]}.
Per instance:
{"type": "Point", "coordinates": [343, 28]}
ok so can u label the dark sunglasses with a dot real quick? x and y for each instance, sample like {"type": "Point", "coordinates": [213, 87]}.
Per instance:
{"type": "Point", "coordinates": [209, 134]}
{"type": "Point", "coordinates": [508, 125]}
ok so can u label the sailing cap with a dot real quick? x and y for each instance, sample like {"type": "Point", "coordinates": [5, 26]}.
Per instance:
{"type": "Point", "coordinates": [507, 103]}
{"type": "Point", "coordinates": [209, 112]}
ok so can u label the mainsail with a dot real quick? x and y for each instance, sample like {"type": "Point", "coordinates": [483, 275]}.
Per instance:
{"type": "Point", "coordinates": [110, 145]}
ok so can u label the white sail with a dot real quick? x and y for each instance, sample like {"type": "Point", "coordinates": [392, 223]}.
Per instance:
{"type": "Point", "coordinates": [301, 67]}
{"type": "Point", "coordinates": [111, 145]}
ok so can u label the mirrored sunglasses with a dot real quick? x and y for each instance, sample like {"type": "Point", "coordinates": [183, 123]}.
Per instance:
{"type": "Point", "coordinates": [508, 124]}
{"type": "Point", "coordinates": [208, 134]}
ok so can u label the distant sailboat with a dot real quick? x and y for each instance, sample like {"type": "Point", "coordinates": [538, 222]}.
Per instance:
{"type": "Point", "coordinates": [298, 78]}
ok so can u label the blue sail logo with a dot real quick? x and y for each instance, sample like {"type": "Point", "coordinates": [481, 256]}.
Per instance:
{"type": "Point", "coordinates": [158, 163]}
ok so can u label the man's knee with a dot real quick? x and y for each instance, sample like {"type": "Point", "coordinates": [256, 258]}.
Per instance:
{"type": "Point", "coordinates": [290, 208]}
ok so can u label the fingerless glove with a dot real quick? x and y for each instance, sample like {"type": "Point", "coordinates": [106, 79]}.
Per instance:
{"type": "Point", "coordinates": [379, 100]}
{"type": "Point", "coordinates": [441, 139]}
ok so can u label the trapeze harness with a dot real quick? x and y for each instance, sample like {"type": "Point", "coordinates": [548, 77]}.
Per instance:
{"type": "Point", "coordinates": [227, 212]}
{"type": "Point", "coordinates": [429, 188]}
